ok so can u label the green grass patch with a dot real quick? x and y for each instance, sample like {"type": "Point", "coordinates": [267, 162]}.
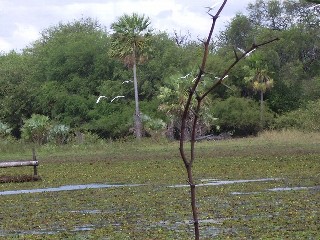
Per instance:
{"type": "Point", "coordinates": [154, 210]}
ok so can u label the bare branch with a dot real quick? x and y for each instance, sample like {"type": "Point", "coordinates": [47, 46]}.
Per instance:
{"type": "Point", "coordinates": [235, 53]}
{"type": "Point", "coordinates": [226, 72]}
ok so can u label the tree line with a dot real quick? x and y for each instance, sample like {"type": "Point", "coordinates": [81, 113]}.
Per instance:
{"type": "Point", "coordinates": [53, 84]}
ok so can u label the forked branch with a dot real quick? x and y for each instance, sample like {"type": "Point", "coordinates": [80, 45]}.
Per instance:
{"type": "Point", "coordinates": [195, 113]}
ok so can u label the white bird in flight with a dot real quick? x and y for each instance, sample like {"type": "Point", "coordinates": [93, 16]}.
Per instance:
{"type": "Point", "coordinates": [243, 51]}
{"type": "Point", "coordinates": [127, 81]}
{"type": "Point", "coordinates": [116, 98]}
{"type": "Point", "coordinates": [186, 76]}
{"type": "Point", "coordinates": [222, 78]}
{"type": "Point", "coordinates": [213, 6]}
{"type": "Point", "coordinates": [99, 98]}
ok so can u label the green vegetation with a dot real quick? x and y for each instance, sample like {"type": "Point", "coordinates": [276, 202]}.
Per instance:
{"type": "Point", "coordinates": [156, 211]}
{"type": "Point", "coordinates": [48, 99]}
{"type": "Point", "coordinates": [61, 75]}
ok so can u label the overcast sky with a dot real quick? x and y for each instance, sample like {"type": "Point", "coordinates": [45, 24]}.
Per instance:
{"type": "Point", "coordinates": [21, 21]}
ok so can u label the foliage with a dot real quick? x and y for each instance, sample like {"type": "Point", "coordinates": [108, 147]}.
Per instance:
{"type": "Point", "coordinates": [173, 96]}
{"type": "Point", "coordinates": [130, 43]}
{"type": "Point", "coordinates": [111, 120]}
{"type": "Point", "coordinates": [62, 73]}
{"type": "Point", "coordinates": [36, 129]}
{"type": "Point", "coordinates": [5, 130]}
{"type": "Point", "coordinates": [305, 118]}
{"type": "Point", "coordinates": [239, 116]}
{"type": "Point", "coordinates": [16, 92]}
{"type": "Point", "coordinates": [131, 30]}
{"type": "Point", "coordinates": [238, 33]}
{"type": "Point", "coordinates": [59, 133]}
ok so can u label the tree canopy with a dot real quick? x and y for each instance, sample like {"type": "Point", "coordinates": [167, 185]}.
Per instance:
{"type": "Point", "coordinates": [62, 74]}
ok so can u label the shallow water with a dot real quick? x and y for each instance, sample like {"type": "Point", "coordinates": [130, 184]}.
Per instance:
{"type": "Point", "coordinates": [279, 189]}
{"type": "Point", "coordinates": [67, 188]}
{"type": "Point", "coordinates": [216, 182]}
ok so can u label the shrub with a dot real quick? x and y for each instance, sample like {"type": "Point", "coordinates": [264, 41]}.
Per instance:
{"type": "Point", "coordinates": [36, 129]}
{"type": "Point", "coordinates": [59, 133]}
{"type": "Point", "coordinates": [241, 116]}
{"type": "Point", "coordinates": [306, 118]}
{"type": "Point", "coordinates": [5, 130]}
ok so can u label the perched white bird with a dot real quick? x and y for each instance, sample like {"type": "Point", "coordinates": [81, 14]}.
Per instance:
{"type": "Point", "coordinates": [116, 98]}
{"type": "Point", "coordinates": [127, 81]}
{"type": "Point", "coordinates": [99, 98]}
{"type": "Point", "coordinates": [213, 6]}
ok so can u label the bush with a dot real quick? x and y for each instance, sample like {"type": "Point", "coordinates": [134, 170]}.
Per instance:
{"type": "Point", "coordinates": [5, 130]}
{"type": "Point", "coordinates": [36, 129]}
{"type": "Point", "coordinates": [306, 118]}
{"type": "Point", "coordinates": [59, 133]}
{"type": "Point", "coordinates": [241, 116]}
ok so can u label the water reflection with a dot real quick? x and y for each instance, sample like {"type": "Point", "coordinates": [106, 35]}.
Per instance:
{"type": "Point", "coordinates": [216, 182]}
{"type": "Point", "coordinates": [67, 188]}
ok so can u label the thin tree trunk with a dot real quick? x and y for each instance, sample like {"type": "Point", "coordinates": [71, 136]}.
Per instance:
{"type": "Point", "coordinates": [137, 117]}
{"type": "Point", "coordinates": [261, 110]}
{"type": "Point", "coordinates": [193, 203]}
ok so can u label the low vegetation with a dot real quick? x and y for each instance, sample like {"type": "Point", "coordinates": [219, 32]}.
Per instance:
{"type": "Point", "coordinates": [154, 210]}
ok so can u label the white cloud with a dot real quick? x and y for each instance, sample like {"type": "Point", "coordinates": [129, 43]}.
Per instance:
{"type": "Point", "coordinates": [32, 16]}
{"type": "Point", "coordinates": [26, 31]}
{"type": "Point", "coordinates": [5, 45]}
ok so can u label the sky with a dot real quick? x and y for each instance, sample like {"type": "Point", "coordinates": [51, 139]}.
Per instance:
{"type": "Point", "coordinates": [21, 21]}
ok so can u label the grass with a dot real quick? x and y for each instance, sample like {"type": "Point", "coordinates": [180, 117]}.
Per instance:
{"type": "Point", "coordinates": [156, 211]}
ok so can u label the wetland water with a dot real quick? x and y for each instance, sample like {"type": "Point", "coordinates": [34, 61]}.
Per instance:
{"type": "Point", "coordinates": [209, 227]}
{"type": "Point", "coordinates": [67, 188]}
{"type": "Point", "coordinates": [204, 182]}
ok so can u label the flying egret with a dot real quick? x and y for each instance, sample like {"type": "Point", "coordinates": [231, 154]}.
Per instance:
{"type": "Point", "coordinates": [213, 6]}
{"type": "Point", "coordinates": [127, 81]}
{"type": "Point", "coordinates": [186, 76]}
{"type": "Point", "coordinates": [241, 50]}
{"type": "Point", "coordinates": [197, 77]}
{"type": "Point", "coordinates": [244, 52]}
{"type": "Point", "coordinates": [222, 78]}
{"type": "Point", "coordinates": [99, 98]}
{"type": "Point", "coordinates": [116, 98]}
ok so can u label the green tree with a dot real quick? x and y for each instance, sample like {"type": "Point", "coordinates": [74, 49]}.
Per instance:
{"type": "Point", "coordinates": [173, 96]}
{"type": "Point", "coordinates": [70, 65]}
{"type": "Point", "coordinates": [314, 1]}
{"type": "Point", "coordinates": [305, 118]}
{"type": "Point", "coordinates": [130, 42]}
{"type": "Point", "coordinates": [17, 90]}
{"type": "Point", "coordinates": [260, 81]}
{"type": "Point", "coordinates": [239, 32]}
{"type": "Point", "coordinates": [282, 15]}
{"type": "Point", "coordinates": [240, 116]}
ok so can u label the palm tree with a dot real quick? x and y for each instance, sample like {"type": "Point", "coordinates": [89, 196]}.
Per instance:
{"type": "Point", "coordinates": [261, 82]}
{"type": "Point", "coordinates": [130, 43]}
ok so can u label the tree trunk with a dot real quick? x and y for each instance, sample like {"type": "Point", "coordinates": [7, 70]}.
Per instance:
{"type": "Point", "coordinates": [137, 117]}
{"type": "Point", "coordinates": [193, 203]}
{"type": "Point", "coordinates": [261, 110]}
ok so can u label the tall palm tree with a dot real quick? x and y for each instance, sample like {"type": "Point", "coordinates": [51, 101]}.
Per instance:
{"type": "Point", "coordinates": [130, 43]}
{"type": "Point", "coordinates": [261, 82]}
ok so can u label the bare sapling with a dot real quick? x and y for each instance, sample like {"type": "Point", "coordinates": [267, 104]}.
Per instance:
{"type": "Point", "coordinates": [192, 110]}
